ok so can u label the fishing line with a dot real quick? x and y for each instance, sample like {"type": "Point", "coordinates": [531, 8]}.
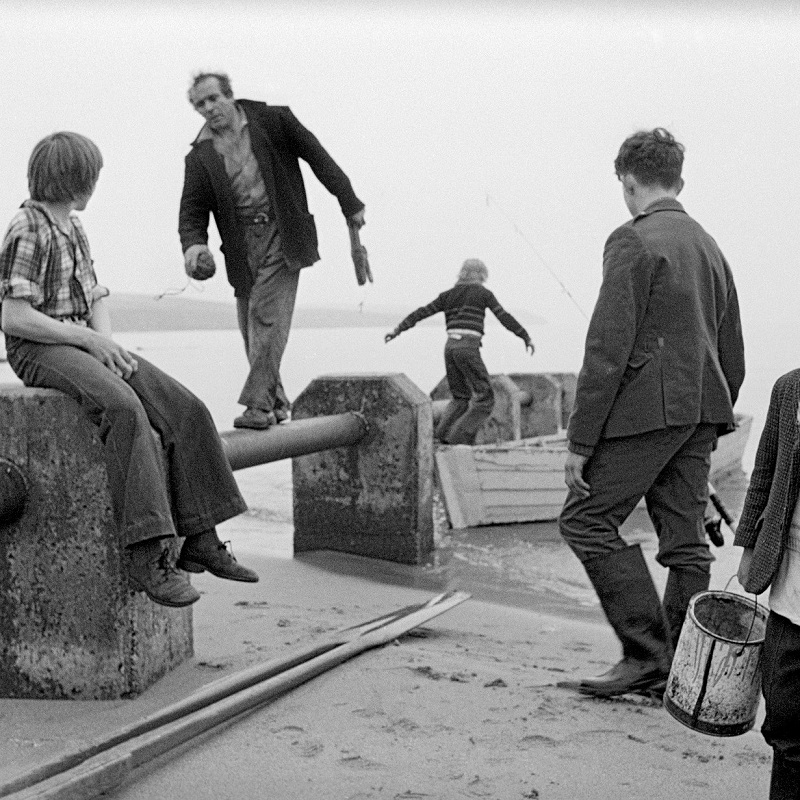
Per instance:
{"type": "Point", "coordinates": [171, 291]}
{"type": "Point", "coordinates": [492, 203]}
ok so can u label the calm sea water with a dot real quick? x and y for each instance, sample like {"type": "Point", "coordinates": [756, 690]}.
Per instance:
{"type": "Point", "coordinates": [532, 563]}
{"type": "Point", "coordinates": [213, 364]}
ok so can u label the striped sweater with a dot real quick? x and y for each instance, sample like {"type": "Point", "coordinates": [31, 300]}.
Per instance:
{"type": "Point", "coordinates": [464, 308]}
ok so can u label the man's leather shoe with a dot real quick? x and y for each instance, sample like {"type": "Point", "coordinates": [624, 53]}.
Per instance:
{"type": "Point", "coordinates": [629, 675]}
{"type": "Point", "coordinates": [255, 418]}
{"type": "Point", "coordinates": [150, 570]}
{"type": "Point", "coordinates": [204, 551]}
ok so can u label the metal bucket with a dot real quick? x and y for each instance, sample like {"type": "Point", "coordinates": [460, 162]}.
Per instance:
{"type": "Point", "coordinates": [714, 685]}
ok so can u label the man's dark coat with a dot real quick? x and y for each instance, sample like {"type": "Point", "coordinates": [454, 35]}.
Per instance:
{"type": "Point", "coordinates": [664, 345]}
{"type": "Point", "coordinates": [278, 140]}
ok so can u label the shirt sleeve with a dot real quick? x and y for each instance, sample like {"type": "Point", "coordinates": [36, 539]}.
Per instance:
{"type": "Point", "coordinates": [23, 258]}
{"type": "Point", "coordinates": [328, 172]}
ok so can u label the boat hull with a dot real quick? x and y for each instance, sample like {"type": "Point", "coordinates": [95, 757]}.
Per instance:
{"type": "Point", "coordinates": [523, 481]}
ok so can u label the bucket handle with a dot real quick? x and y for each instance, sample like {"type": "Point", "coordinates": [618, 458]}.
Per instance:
{"type": "Point", "coordinates": [752, 621]}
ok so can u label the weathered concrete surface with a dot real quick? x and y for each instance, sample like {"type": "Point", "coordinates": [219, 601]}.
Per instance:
{"type": "Point", "coordinates": [375, 498]}
{"type": "Point", "coordinates": [569, 386]}
{"type": "Point", "coordinates": [544, 414]}
{"type": "Point", "coordinates": [70, 626]}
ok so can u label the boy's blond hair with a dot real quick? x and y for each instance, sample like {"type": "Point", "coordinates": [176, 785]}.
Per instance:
{"type": "Point", "coordinates": [63, 167]}
{"type": "Point", "coordinates": [473, 270]}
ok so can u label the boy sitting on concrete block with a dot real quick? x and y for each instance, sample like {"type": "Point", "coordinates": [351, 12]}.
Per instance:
{"type": "Point", "coordinates": [58, 336]}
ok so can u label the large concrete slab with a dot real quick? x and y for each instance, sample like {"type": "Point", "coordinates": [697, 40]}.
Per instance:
{"type": "Point", "coordinates": [70, 626]}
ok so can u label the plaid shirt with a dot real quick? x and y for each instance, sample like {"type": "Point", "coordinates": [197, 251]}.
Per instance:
{"type": "Point", "coordinates": [48, 266]}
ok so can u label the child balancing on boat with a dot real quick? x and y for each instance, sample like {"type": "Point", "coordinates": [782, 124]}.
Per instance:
{"type": "Point", "coordinates": [464, 308]}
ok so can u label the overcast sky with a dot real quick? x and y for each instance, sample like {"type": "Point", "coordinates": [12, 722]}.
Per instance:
{"type": "Point", "coordinates": [468, 129]}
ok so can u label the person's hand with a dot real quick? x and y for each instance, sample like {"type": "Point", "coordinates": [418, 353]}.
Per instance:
{"type": "Point", "coordinates": [110, 354]}
{"type": "Point", "coordinates": [198, 262]}
{"type": "Point", "coordinates": [573, 474]}
{"type": "Point", "coordinates": [389, 336]}
{"type": "Point", "coordinates": [744, 565]}
{"type": "Point", "coordinates": [357, 220]}
{"type": "Point", "coordinates": [529, 347]}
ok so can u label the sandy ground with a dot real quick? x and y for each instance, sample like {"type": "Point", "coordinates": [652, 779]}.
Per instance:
{"type": "Point", "coordinates": [465, 707]}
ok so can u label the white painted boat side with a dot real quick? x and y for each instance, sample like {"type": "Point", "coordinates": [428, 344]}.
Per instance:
{"type": "Point", "coordinates": [523, 481]}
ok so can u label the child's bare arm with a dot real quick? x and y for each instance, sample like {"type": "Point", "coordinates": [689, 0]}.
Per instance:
{"type": "Point", "coordinates": [21, 319]}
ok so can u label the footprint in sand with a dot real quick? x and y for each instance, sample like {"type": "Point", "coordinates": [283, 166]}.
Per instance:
{"type": "Point", "coordinates": [357, 762]}
{"type": "Point", "coordinates": [305, 746]}
{"type": "Point", "coordinates": [535, 740]}
{"type": "Point", "coordinates": [578, 647]}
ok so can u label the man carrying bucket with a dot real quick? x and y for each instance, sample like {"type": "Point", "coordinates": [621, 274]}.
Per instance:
{"type": "Point", "coordinates": [769, 532]}
{"type": "Point", "coordinates": [662, 368]}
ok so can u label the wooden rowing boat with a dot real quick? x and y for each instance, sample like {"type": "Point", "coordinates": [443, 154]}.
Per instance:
{"type": "Point", "coordinates": [523, 481]}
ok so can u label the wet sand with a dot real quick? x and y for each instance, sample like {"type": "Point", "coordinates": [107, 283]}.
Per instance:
{"type": "Point", "coordinates": [465, 707]}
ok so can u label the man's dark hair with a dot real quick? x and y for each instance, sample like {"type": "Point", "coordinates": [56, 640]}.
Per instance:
{"type": "Point", "coordinates": [223, 80]}
{"type": "Point", "coordinates": [652, 157]}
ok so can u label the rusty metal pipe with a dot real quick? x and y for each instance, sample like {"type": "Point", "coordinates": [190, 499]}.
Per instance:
{"type": "Point", "coordinates": [248, 448]}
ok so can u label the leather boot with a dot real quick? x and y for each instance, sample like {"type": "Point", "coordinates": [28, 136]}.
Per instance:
{"type": "Point", "coordinates": [632, 607]}
{"type": "Point", "coordinates": [151, 570]}
{"type": "Point", "coordinates": [204, 551]}
{"type": "Point", "coordinates": [682, 584]}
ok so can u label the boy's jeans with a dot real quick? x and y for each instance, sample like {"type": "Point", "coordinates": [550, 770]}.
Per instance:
{"type": "Point", "coordinates": [184, 484]}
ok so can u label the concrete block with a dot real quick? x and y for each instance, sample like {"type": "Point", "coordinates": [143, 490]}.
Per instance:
{"type": "Point", "coordinates": [505, 422]}
{"type": "Point", "coordinates": [70, 626]}
{"type": "Point", "coordinates": [569, 386]}
{"type": "Point", "coordinates": [375, 498]}
{"type": "Point", "coordinates": [542, 416]}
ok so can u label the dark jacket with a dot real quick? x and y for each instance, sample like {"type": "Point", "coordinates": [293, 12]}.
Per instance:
{"type": "Point", "coordinates": [774, 485]}
{"type": "Point", "coordinates": [664, 345]}
{"type": "Point", "coordinates": [278, 141]}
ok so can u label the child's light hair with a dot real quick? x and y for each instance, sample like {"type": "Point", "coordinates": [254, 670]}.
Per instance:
{"type": "Point", "coordinates": [63, 167]}
{"type": "Point", "coordinates": [473, 270]}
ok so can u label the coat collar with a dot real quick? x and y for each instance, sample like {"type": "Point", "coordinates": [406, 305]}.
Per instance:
{"type": "Point", "coordinates": [662, 204]}
{"type": "Point", "coordinates": [259, 142]}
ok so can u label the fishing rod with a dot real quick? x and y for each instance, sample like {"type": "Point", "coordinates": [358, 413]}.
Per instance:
{"type": "Point", "coordinates": [491, 202]}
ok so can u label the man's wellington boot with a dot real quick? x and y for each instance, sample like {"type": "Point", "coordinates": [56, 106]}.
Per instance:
{"type": "Point", "coordinates": [151, 570]}
{"type": "Point", "coordinates": [628, 675]}
{"type": "Point", "coordinates": [682, 584]}
{"type": "Point", "coordinates": [632, 607]}
{"type": "Point", "coordinates": [204, 551]}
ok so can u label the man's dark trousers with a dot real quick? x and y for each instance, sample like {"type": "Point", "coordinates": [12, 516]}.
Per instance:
{"type": "Point", "coordinates": [669, 467]}
{"type": "Point", "coordinates": [265, 318]}
{"type": "Point", "coordinates": [781, 687]}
